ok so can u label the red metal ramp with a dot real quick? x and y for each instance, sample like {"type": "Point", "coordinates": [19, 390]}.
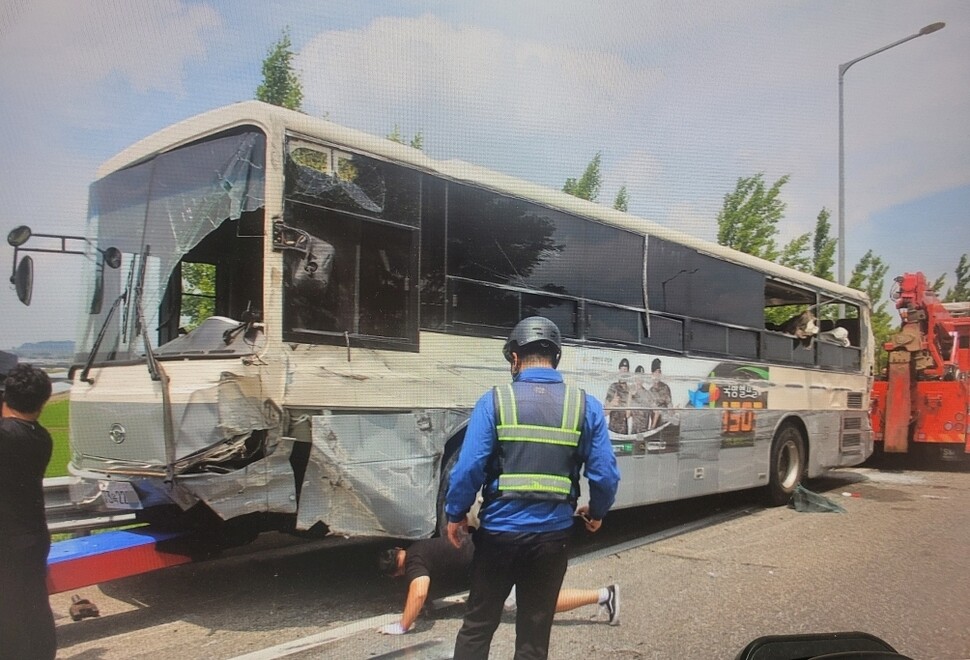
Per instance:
{"type": "Point", "coordinates": [107, 556]}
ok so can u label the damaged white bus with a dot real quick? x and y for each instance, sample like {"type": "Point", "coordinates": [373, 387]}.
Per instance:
{"type": "Point", "coordinates": [286, 323]}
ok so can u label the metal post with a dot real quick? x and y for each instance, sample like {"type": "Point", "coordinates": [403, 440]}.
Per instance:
{"type": "Point", "coordinates": [933, 27]}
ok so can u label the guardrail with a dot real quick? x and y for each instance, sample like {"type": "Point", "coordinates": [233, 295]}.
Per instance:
{"type": "Point", "coordinates": [65, 516]}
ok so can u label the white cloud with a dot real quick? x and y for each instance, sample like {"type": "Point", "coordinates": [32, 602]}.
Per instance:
{"type": "Point", "coordinates": [67, 66]}
{"type": "Point", "coordinates": [681, 99]}
{"type": "Point", "coordinates": [68, 46]}
{"type": "Point", "coordinates": [695, 219]}
{"type": "Point", "coordinates": [461, 83]}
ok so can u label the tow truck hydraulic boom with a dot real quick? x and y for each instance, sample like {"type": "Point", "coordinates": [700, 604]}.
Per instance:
{"type": "Point", "coordinates": [923, 396]}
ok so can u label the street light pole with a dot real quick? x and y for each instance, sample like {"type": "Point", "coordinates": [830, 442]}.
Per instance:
{"type": "Point", "coordinates": [933, 27]}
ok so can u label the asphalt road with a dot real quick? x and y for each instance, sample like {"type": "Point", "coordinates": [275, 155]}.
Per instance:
{"type": "Point", "coordinates": [894, 565]}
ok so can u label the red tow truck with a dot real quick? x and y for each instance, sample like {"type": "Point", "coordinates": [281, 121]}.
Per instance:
{"type": "Point", "coordinates": [922, 401]}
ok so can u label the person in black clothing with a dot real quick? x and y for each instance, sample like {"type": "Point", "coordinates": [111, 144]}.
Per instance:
{"type": "Point", "coordinates": [26, 621]}
{"type": "Point", "coordinates": [436, 561]}
{"type": "Point", "coordinates": [431, 560]}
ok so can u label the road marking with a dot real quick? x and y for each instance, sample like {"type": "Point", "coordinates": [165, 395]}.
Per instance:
{"type": "Point", "coordinates": [319, 639]}
{"type": "Point", "coordinates": [371, 623]}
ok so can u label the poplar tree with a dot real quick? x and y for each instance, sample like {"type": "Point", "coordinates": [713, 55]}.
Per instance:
{"type": "Point", "coordinates": [417, 142]}
{"type": "Point", "coordinates": [281, 85]}
{"type": "Point", "coordinates": [869, 275]}
{"type": "Point", "coordinates": [622, 200]}
{"type": "Point", "coordinates": [823, 257]}
{"type": "Point", "coordinates": [960, 292]}
{"type": "Point", "coordinates": [588, 185]}
{"type": "Point", "coordinates": [748, 220]}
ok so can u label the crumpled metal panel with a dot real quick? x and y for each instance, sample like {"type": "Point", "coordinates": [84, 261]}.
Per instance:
{"type": "Point", "coordinates": [376, 474]}
{"type": "Point", "coordinates": [263, 486]}
{"type": "Point", "coordinates": [231, 408]}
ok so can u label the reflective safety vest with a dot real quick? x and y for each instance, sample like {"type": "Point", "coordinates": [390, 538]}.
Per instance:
{"type": "Point", "coordinates": [537, 454]}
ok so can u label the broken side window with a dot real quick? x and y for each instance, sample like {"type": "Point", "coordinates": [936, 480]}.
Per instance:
{"type": "Point", "coordinates": [355, 274]}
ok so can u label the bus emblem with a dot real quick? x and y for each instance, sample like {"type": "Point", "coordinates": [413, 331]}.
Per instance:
{"type": "Point", "coordinates": [117, 434]}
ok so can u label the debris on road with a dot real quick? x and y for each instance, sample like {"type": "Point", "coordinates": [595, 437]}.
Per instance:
{"type": "Point", "coordinates": [82, 608]}
{"type": "Point", "coordinates": [805, 501]}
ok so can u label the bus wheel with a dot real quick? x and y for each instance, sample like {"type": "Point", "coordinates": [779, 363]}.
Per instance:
{"type": "Point", "coordinates": [443, 484]}
{"type": "Point", "coordinates": [787, 464]}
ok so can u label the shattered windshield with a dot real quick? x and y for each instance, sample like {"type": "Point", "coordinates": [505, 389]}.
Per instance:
{"type": "Point", "coordinates": [155, 212]}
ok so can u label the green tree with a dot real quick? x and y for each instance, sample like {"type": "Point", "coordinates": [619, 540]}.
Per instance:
{"type": "Point", "coordinates": [198, 293]}
{"type": "Point", "coordinates": [937, 285]}
{"type": "Point", "coordinates": [869, 275]}
{"type": "Point", "coordinates": [588, 185]}
{"type": "Point", "coordinates": [748, 220]}
{"type": "Point", "coordinates": [823, 257]}
{"type": "Point", "coordinates": [820, 261]}
{"type": "Point", "coordinates": [281, 85]}
{"type": "Point", "coordinates": [416, 142]}
{"type": "Point", "coordinates": [795, 254]}
{"type": "Point", "coordinates": [622, 200]}
{"type": "Point", "coordinates": [960, 292]}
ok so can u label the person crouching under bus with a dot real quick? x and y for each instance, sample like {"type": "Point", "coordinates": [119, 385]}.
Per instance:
{"type": "Point", "coordinates": [437, 561]}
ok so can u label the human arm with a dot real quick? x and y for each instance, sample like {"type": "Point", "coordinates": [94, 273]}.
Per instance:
{"type": "Point", "coordinates": [455, 531]}
{"type": "Point", "coordinates": [612, 397]}
{"type": "Point", "coordinates": [468, 475]}
{"type": "Point", "coordinates": [417, 594]}
{"type": "Point", "coordinates": [601, 470]}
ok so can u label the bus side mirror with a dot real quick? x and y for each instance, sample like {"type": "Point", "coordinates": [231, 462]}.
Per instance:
{"type": "Point", "coordinates": [22, 276]}
{"type": "Point", "coordinates": [23, 279]}
{"type": "Point", "coordinates": [18, 236]}
{"type": "Point", "coordinates": [112, 257]}
{"type": "Point", "coordinates": [23, 272]}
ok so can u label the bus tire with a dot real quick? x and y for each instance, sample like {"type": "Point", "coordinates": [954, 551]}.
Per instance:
{"type": "Point", "coordinates": [788, 463]}
{"type": "Point", "coordinates": [443, 483]}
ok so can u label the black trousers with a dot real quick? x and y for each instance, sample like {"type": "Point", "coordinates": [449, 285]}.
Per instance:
{"type": "Point", "coordinates": [535, 564]}
{"type": "Point", "coordinates": [26, 622]}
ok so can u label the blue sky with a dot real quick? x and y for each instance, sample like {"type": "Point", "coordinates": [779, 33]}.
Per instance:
{"type": "Point", "coordinates": [681, 99]}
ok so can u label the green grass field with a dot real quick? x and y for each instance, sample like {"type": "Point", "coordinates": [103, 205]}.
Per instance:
{"type": "Point", "coordinates": [56, 419]}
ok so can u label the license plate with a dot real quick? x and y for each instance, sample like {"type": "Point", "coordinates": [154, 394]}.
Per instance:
{"type": "Point", "coordinates": [119, 495]}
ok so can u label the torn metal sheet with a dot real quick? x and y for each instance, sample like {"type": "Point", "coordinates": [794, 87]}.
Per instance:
{"type": "Point", "coordinates": [361, 467]}
{"type": "Point", "coordinates": [231, 408]}
{"type": "Point", "coordinates": [266, 485]}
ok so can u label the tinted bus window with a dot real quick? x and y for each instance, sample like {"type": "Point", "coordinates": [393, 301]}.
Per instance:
{"type": "Point", "coordinates": [681, 280]}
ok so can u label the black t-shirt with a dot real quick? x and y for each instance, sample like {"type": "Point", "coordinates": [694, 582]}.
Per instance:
{"type": "Point", "coordinates": [447, 566]}
{"type": "Point", "coordinates": [25, 450]}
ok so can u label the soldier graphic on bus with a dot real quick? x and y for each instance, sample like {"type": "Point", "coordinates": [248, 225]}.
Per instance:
{"type": "Point", "coordinates": [641, 419]}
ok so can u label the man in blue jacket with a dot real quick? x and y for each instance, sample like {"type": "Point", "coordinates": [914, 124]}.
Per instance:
{"type": "Point", "coordinates": [525, 446]}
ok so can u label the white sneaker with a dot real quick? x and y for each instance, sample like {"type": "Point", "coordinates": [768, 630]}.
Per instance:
{"type": "Point", "coordinates": [612, 604]}
{"type": "Point", "coordinates": [510, 604]}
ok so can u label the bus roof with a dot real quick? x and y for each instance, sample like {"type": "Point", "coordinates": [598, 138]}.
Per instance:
{"type": "Point", "coordinates": [275, 120]}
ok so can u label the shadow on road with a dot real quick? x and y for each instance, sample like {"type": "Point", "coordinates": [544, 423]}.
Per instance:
{"type": "Point", "coordinates": [296, 584]}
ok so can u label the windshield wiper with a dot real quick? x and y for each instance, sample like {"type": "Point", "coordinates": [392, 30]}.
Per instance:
{"type": "Point", "coordinates": [124, 318]}
{"type": "Point", "coordinates": [140, 317]}
{"type": "Point", "coordinates": [100, 338]}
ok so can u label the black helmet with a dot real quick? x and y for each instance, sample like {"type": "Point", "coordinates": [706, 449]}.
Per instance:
{"type": "Point", "coordinates": [531, 330]}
